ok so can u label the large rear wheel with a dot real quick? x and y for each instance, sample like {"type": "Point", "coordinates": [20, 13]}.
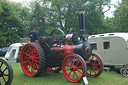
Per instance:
{"type": "Point", "coordinates": [74, 68]}
{"type": "Point", "coordinates": [32, 59]}
{"type": "Point", "coordinates": [95, 67]}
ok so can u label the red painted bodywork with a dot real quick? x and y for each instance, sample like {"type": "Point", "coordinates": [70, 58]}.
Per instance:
{"type": "Point", "coordinates": [67, 49]}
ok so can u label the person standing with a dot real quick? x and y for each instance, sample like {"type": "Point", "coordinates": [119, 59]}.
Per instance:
{"type": "Point", "coordinates": [70, 31]}
{"type": "Point", "coordinates": [33, 35]}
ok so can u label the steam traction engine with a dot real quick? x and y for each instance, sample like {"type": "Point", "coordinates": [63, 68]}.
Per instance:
{"type": "Point", "coordinates": [67, 53]}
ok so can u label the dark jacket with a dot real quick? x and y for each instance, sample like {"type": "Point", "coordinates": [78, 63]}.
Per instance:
{"type": "Point", "coordinates": [70, 32]}
{"type": "Point", "coordinates": [34, 36]}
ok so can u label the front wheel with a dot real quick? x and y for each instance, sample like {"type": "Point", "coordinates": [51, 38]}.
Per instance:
{"type": "Point", "coordinates": [74, 68]}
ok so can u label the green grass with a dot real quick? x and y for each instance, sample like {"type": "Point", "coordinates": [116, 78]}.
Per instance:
{"type": "Point", "coordinates": [2, 56]}
{"type": "Point", "coordinates": [49, 78]}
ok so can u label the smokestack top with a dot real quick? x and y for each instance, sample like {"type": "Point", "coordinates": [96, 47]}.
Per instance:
{"type": "Point", "coordinates": [81, 11]}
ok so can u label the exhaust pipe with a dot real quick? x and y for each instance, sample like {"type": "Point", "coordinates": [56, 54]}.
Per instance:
{"type": "Point", "coordinates": [81, 24]}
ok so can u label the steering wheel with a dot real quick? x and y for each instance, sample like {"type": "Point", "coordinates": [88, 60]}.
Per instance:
{"type": "Point", "coordinates": [58, 35]}
{"type": "Point", "coordinates": [57, 30]}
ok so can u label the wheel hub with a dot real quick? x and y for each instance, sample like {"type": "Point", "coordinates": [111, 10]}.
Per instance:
{"type": "Point", "coordinates": [30, 59]}
{"type": "Point", "coordinates": [93, 65]}
{"type": "Point", "coordinates": [73, 68]}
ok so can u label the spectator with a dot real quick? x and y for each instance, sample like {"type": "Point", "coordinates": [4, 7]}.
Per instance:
{"type": "Point", "coordinates": [33, 35]}
{"type": "Point", "coordinates": [70, 31]}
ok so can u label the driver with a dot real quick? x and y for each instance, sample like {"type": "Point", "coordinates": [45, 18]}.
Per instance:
{"type": "Point", "coordinates": [33, 35]}
{"type": "Point", "coordinates": [70, 31]}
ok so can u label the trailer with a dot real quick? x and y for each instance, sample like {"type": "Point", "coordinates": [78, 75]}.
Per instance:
{"type": "Point", "coordinates": [14, 50]}
{"type": "Point", "coordinates": [112, 47]}
{"type": "Point", "coordinates": [13, 53]}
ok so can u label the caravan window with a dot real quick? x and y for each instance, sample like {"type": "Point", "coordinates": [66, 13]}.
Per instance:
{"type": "Point", "coordinates": [106, 45]}
{"type": "Point", "coordinates": [94, 46]}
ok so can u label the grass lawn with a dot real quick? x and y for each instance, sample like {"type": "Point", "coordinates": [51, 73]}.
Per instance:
{"type": "Point", "coordinates": [49, 78]}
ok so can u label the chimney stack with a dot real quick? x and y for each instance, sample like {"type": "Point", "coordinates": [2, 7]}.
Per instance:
{"type": "Point", "coordinates": [81, 24]}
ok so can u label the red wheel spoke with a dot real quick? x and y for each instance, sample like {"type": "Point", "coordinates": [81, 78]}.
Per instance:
{"type": "Point", "coordinates": [27, 58]}
{"type": "Point", "coordinates": [29, 50]}
{"type": "Point", "coordinates": [73, 61]}
{"type": "Point", "coordinates": [26, 54]}
{"type": "Point", "coordinates": [79, 71]}
{"type": "Point", "coordinates": [97, 68]}
{"type": "Point", "coordinates": [29, 66]}
{"type": "Point", "coordinates": [73, 75]}
{"type": "Point", "coordinates": [76, 74]}
{"type": "Point", "coordinates": [34, 66]}
{"type": "Point", "coordinates": [37, 57]}
{"type": "Point", "coordinates": [33, 52]}
{"type": "Point", "coordinates": [77, 63]}
{"type": "Point", "coordinates": [67, 69]}
{"type": "Point", "coordinates": [37, 61]}
{"type": "Point", "coordinates": [93, 70]}
{"type": "Point", "coordinates": [92, 57]}
{"type": "Point", "coordinates": [68, 65]}
{"type": "Point", "coordinates": [95, 60]}
{"type": "Point", "coordinates": [97, 64]}
{"type": "Point", "coordinates": [69, 72]}
{"type": "Point", "coordinates": [26, 61]}
{"type": "Point", "coordinates": [79, 67]}
{"type": "Point", "coordinates": [37, 65]}
{"type": "Point", "coordinates": [88, 67]}
{"type": "Point", "coordinates": [70, 61]}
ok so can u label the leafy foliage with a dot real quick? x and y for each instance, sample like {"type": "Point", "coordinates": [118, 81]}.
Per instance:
{"type": "Point", "coordinates": [10, 24]}
{"type": "Point", "coordinates": [121, 17]}
{"type": "Point", "coordinates": [17, 20]}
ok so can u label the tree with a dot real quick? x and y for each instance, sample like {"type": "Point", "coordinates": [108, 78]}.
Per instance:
{"type": "Point", "coordinates": [10, 24]}
{"type": "Point", "coordinates": [121, 17]}
{"type": "Point", "coordinates": [25, 15]}
{"type": "Point", "coordinates": [17, 20]}
{"type": "Point", "coordinates": [38, 18]}
{"type": "Point", "coordinates": [63, 14]}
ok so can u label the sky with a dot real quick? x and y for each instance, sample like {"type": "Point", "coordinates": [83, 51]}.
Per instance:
{"type": "Point", "coordinates": [110, 12]}
{"type": "Point", "coordinates": [107, 14]}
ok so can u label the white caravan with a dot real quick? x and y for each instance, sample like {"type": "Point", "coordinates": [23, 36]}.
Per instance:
{"type": "Point", "coordinates": [112, 47]}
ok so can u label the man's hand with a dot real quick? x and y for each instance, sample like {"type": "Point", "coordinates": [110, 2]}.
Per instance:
{"type": "Point", "coordinates": [31, 35]}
